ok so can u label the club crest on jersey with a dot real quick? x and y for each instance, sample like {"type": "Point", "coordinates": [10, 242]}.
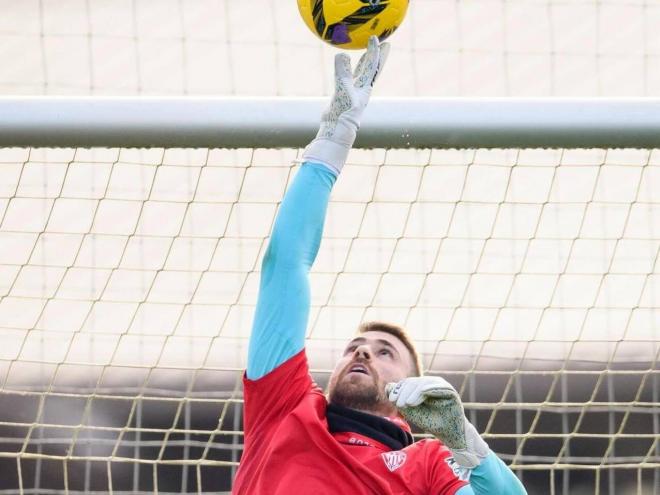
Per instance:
{"type": "Point", "coordinates": [394, 460]}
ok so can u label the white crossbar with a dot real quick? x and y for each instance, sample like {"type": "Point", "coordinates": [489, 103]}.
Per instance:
{"type": "Point", "coordinates": [292, 122]}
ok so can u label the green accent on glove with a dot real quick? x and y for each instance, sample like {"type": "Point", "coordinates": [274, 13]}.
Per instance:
{"type": "Point", "coordinates": [442, 417]}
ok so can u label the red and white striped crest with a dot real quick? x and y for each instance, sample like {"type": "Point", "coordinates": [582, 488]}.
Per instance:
{"type": "Point", "coordinates": [394, 460]}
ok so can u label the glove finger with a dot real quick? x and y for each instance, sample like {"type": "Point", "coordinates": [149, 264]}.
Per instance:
{"type": "Point", "coordinates": [423, 389]}
{"type": "Point", "coordinates": [446, 384]}
{"type": "Point", "coordinates": [392, 391]}
{"type": "Point", "coordinates": [395, 392]}
{"type": "Point", "coordinates": [359, 70]}
{"type": "Point", "coordinates": [418, 394]}
{"type": "Point", "coordinates": [441, 386]}
{"type": "Point", "coordinates": [368, 65]}
{"type": "Point", "coordinates": [370, 53]}
{"type": "Point", "coordinates": [407, 387]}
{"type": "Point", "coordinates": [384, 53]}
{"type": "Point", "coordinates": [342, 67]}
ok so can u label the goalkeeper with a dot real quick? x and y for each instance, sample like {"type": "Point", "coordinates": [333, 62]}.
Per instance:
{"type": "Point", "coordinates": [357, 440]}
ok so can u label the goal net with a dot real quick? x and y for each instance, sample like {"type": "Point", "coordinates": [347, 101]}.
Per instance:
{"type": "Point", "coordinates": [528, 277]}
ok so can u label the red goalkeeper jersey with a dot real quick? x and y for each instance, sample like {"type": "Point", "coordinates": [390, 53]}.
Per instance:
{"type": "Point", "coordinates": [289, 449]}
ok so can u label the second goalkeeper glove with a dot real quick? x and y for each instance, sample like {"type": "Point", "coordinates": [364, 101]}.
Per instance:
{"type": "Point", "coordinates": [432, 404]}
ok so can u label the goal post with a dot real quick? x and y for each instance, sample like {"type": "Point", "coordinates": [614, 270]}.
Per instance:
{"type": "Point", "coordinates": [517, 240]}
{"type": "Point", "coordinates": [230, 122]}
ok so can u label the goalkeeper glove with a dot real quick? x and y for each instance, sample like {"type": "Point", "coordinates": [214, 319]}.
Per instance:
{"type": "Point", "coordinates": [432, 404]}
{"type": "Point", "coordinates": [341, 120]}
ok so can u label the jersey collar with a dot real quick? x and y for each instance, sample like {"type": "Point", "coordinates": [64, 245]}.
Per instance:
{"type": "Point", "coordinates": [392, 432]}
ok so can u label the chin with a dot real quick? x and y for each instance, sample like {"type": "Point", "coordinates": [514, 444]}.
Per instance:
{"type": "Point", "coordinates": [357, 393]}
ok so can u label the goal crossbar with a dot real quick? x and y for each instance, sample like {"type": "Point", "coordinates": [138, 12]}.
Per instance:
{"type": "Point", "coordinates": [239, 122]}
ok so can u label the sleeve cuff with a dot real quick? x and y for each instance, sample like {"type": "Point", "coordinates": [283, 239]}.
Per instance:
{"type": "Point", "coordinates": [327, 153]}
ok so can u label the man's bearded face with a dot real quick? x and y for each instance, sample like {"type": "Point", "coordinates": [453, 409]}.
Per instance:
{"type": "Point", "coordinates": [358, 387]}
{"type": "Point", "coordinates": [369, 363]}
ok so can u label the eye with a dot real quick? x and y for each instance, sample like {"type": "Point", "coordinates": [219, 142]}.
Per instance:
{"type": "Point", "coordinates": [349, 349]}
{"type": "Point", "coordinates": [385, 352]}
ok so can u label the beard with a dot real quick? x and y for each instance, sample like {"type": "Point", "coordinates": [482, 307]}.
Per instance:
{"type": "Point", "coordinates": [354, 392]}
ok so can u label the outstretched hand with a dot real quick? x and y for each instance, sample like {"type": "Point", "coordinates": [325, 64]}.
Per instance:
{"type": "Point", "coordinates": [341, 120]}
{"type": "Point", "coordinates": [353, 89]}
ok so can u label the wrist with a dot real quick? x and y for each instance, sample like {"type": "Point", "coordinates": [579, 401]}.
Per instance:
{"type": "Point", "coordinates": [476, 448]}
{"type": "Point", "coordinates": [327, 153]}
{"type": "Point", "coordinates": [332, 145]}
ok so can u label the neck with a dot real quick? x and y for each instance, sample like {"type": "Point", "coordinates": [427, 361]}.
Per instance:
{"type": "Point", "coordinates": [391, 431]}
{"type": "Point", "coordinates": [384, 410]}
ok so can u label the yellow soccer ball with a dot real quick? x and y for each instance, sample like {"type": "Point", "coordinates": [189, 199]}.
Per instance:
{"type": "Point", "coordinates": [349, 23]}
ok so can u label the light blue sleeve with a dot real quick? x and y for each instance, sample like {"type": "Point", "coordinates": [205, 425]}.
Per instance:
{"type": "Point", "coordinates": [280, 320]}
{"type": "Point", "coordinates": [493, 476]}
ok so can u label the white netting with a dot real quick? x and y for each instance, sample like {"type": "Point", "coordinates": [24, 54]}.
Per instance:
{"type": "Point", "coordinates": [261, 47]}
{"type": "Point", "coordinates": [529, 278]}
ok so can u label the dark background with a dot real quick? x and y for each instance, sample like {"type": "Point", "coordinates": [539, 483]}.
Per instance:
{"type": "Point", "coordinates": [211, 416]}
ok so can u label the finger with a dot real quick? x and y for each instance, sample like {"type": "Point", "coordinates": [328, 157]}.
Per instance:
{"type": "Point", "coordinates": [371, 53]}
{"type": "Point", "coordinates": [407, 387]}
{"type": "Point", "coordinates": [398, 392]}
{"type": "Point", "coordinates": [372, 44]}
{"type": "Point", "coordinates": [392, 391]}
{"type": "Point", "coordinates": [342, 66]}
{"type": "Point", "coordinates": [368, 64]}
{"type": "Point", "coordinates": [384, 53]}
{"type": "Point", "coordinates": [417, 395]}
{"type": "Point", "coordinates": [444, 394]}
{"type": "Point", "coordinates": [441, 383]}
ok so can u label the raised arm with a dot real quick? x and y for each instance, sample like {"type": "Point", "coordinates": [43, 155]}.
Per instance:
{"type": "Point", "coordinates": [278, 331]}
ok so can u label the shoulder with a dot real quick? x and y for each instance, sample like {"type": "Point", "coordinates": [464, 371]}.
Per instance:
{"type": "Point", "coordinates": [293, 369]}
{"type": "Point", "coordinates": [430, 445]}
{"type": "Point", "coordinates": [277, 393]}
{"type": "Point", "coordinates": [286, 392]}
{"type": "Point", "coordinates": [439, 463]}
{"type": "Point", "coordinates": [429, 454]}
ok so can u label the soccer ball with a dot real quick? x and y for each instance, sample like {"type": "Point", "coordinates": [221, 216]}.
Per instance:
{"type": "Point", "coordinates": [349, 23]}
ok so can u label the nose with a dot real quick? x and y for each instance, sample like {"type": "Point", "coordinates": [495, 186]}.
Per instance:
{"type": "Point", "coordinates": [363, 352]}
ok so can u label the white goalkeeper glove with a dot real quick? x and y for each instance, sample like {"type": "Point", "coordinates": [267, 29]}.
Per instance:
{"type": "Point", "coordinates": [432, 404]}
{"type": "Point", "coordinates": [341, 120]}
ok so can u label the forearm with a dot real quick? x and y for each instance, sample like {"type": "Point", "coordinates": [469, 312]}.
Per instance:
{"type": "Point", "coordinates": [493, 476]}
{"type": "Point", "coordinates": [280, 321]}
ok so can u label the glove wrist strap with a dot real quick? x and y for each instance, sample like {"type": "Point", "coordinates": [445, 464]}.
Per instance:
{"type": "Point", "coordinates": [327, 152]}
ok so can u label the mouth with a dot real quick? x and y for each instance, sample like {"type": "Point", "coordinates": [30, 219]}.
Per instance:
{"type": "Point", "coordinates": [358, 368]}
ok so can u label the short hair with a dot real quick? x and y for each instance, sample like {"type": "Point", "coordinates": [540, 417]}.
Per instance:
{"type": "Point", "coordinates": [399, 333]}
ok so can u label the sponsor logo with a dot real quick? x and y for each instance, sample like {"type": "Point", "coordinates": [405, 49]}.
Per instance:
{"type": "Point", "coordinates": [394, 460]}
{"type": "Point", "coordinates": [460, 472]}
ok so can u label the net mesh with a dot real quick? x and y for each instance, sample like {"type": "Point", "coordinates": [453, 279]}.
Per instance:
{"type": "Point", "coordinates": [528, 278]}
{"type": "Point", "coordinates": [443, 48]}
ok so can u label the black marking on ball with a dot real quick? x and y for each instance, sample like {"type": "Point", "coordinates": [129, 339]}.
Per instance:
{"type": "Point", "coordinates": [318, 16]}
{"type": "Point", "coordinates": [386, 34]}
{"type": "Point", "coordinates": [364, 14]}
